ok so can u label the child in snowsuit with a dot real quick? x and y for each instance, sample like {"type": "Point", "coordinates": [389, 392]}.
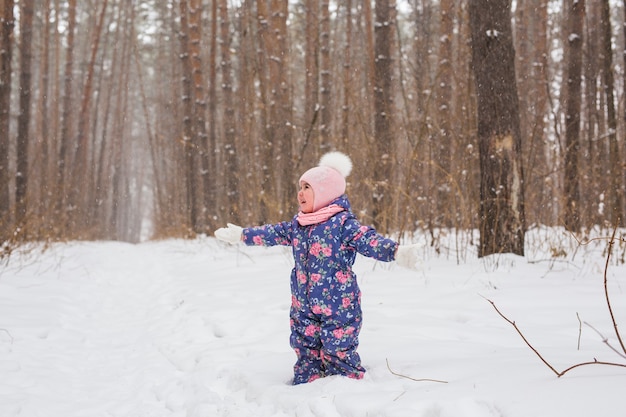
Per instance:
{"type": "Point", "coordinates": [325, 237]}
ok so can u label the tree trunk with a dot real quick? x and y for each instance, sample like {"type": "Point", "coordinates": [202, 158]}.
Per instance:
{"type": "Point", "coordinates": [245, 99]}
{"type": "Point", "coordinates": [311, 82]}
{"type": "Point", "coordinates": [533, 84]}
{"type": "Point", "coordinates": [80, 169]}
{"type": "Point", "coordinates": [120, 198]}
{"type": "Point", "coordinates": [23, 120]}
{"type": "Point", "coordinates": [502, 223]}
{"type": "Point", "coordinates": [67, 119]}
{"type": "Point", "coordinates": [104, 167]}
{"type": "Point", "coordinates": [45, 135]}
{"type": "Point", "coordinates": [231, 166]}
{"type": "Point", "coordinates": [383, 114]}
{"type": "Point", "coordinates": [595, 159]}
{"type": "Point", "coordinates": [442, 147]}
{"type": "Point", "coordinates": [325, 89]}
{"type": "Point", "coordinates": [274, 86]}
{"type": "Point", "coordinates": [282, 116]}
{"type": "Point", "coordinates": [158, 198]}
{"type": "Point", "coordinates": [267, 145]}
{"type": "Point", "coordinates": [188, 138]}
{"type": "Point", "coordinates": [571, 185]}
{"type": "Point", "coordinates": [370, 48]}
{"type": "Point", "coordinates": [7, 22]}
{"type": "Point", "coordinates": [616, 190]}
{"type": "Point", "coordinates": [624, 93]}
{"type": "Point", "coordinates": [54, 191]}
{"type": "Point", "coordinates": [347, 80]}
{"type": "Point", "coordinates": [206, 154]}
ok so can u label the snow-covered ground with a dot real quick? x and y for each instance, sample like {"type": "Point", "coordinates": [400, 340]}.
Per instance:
{"type": "Point", "coordinates": [197, 328]}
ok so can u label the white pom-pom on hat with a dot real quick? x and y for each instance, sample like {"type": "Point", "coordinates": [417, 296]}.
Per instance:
{"type": "Point", "coordinates": [338, 161]}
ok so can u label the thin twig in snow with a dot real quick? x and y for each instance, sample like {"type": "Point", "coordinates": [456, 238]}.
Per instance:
{"type": "Point", "coordinates": [580, 329]}
{"type": "Point", "coordinates": [512, 323]}
{"type": "Point", "coordinates": [605, 340]}
{"type": "Point", "coordinates": [413, 379]}
{"type": "Point", "coordinates": [8, 333]}
{"type": "Point", "coordinates": [557, 373]}
{"type": "Point", "coordinates": [608, 301]}
{"type": "Point", "coordinates": [606, 290]}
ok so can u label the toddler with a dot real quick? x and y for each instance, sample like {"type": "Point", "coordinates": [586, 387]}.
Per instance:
{"type": "Point", "coordinates": [325, 237]}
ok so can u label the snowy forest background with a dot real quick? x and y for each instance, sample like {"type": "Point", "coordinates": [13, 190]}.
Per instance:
{"type": "Point", "coordinates": [168, 118]}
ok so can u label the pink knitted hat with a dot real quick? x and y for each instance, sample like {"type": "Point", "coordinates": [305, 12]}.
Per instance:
{"type": "Point", "coordinates": [328, 179]}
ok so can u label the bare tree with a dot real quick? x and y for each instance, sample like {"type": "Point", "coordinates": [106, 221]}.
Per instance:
{"type": "Point", "coordinates": [67, 119]}
{"type": "Point", "coordinates": [205, 146]}
{"type": "Point", "coordinates": [45, 135]}
{"type": "Point", "coordinates": [347, 77]}
{"type": "Point", "coordinates": [23, 121]}
{"type": "Point", "coordinates": [80, 170]}
{"type": "Point", "coordinates": [616, 190]}
{"type": "Point", "coordinates": [7, 23]}
{"type": "Point", "coordinates": [119, 200]}
{"type": "Point", "coordinates": [325, 77]}
{"type": "Point", "coordinates": [268, 145]}
{"type": "Point", "coordinates": [282, 107]}
{"type": "Point", "coordinates": [624, 92]}
{"type": "Point", "coordinates": [383, 154]}
{"type": "Point", "coordinates": [230, 148]}
{"type": "Point", "coordinates": [442, 139]}
{"type": "Point", "coordinates": [502, 222]}
{"type": "Point", "coordinates": [253, 206]}
{"type": "Point", "coordinates": [104, 170]}
{"type": "Point", "coordinates": [575, 20]}
{"type": "Point", "coordinates": [53, 200]}
{"type": "Point", "coordinates": [533, 84]}
{"type": "Point", "coordinates": [188, 138]}
{"type": "Point", "coordinates": [275, 98]}
{"type": "Point", "coordinates": [594, 158]}
{"type": "Point", "coordinates": [311, 75]}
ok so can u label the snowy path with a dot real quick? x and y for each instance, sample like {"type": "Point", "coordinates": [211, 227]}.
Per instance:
{"type": "Point", "coordinates": [191, 328]}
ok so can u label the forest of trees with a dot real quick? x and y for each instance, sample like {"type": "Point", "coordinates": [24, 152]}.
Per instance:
{"type": "Point", "coordinates": [128, 120]}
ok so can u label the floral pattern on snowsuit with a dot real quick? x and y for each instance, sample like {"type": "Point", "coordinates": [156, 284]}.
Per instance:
{"type": "Point", "coordinates": [326, 299]}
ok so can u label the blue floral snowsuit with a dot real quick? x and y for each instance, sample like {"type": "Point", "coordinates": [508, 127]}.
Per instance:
{"type": "Point", "coordinates": [325, 297]}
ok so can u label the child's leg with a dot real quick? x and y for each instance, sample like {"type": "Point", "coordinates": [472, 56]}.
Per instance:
{"type": "Point", "coordinates": [343, 362]}
{"type": "Point", "coordinates": [339, 352]}
{"type": "Point", "coordinates": [305, 341]}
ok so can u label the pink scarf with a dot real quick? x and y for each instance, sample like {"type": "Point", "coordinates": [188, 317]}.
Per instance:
{"type": "Point", "coordinates": [319, 216]}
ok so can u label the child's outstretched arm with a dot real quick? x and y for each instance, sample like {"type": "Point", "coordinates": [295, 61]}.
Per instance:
{"type": "Point", "coordinates": [366, 241]}
{"type": "Point", "coordinates": [266, 235]}
{"type": "Point", "coordinates": [370, 243]}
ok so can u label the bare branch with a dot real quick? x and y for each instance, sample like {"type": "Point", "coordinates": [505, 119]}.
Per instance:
{"type": "Point", "coordinates": [413, 379]}
{"type": "Point", "coordinates": [595, 362]}
{"type": "Point", "coordinates": [605, 340]}
{"type": "Point", "coordinates": [580, 330]}
{"type": "Point", "coordinates": [512, 323]}
{"type": "Point", "coordinates": [557, 373]}
{"type": "Point", "coordinates": [8, 333]}
{"type": "Point", "coordinates": [606, 289]}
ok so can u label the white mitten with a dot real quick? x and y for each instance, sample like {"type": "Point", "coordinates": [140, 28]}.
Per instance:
{"type": "Point", "coordinates": [230, 234]}
{"type": "Point", "coordinates": [407, 256]}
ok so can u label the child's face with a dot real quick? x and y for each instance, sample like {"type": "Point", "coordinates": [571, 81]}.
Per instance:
{"type": "Point", "coordinates": [305, 197]}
